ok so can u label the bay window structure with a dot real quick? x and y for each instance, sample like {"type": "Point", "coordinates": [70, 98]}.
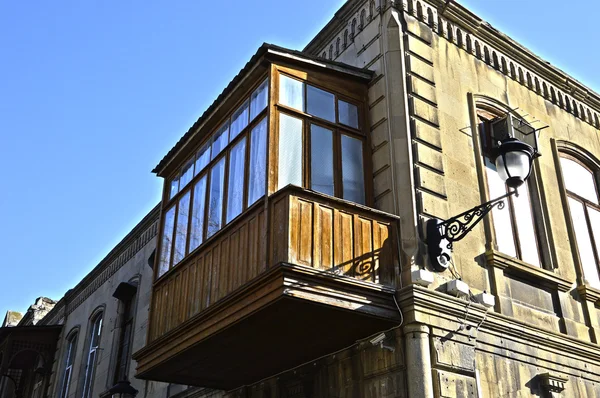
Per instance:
{"type": "Point", "coordinates": [581, 185]}
{"type": "Point", "coordinates": [264, 215]}
{"type": "Point", "coordinates": [515, 229]}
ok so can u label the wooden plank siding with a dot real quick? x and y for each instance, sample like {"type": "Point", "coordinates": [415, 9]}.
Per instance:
{"type": "Point", "coordinates": [295, 226]}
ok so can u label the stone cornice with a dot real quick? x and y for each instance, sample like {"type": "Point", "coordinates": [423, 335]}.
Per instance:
{"type": "Point", "coordinates": [417, 301]}
{"type": "Point", "coordinates": [469, 32]}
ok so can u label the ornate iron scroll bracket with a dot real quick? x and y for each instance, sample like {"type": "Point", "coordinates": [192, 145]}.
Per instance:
{"type": "Point", "coordinates": [441, 235]}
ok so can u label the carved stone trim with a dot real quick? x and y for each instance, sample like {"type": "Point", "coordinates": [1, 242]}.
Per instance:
{"type": "Point", "coordinates": [551, 382]}
{"type": "Point", "coordinates": [589, 293]}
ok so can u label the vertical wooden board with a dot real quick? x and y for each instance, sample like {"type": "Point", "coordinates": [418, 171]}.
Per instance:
{"type": "Point", "coordinates": [175, 298]}
{"type": "Point", "coordinates": [210, 278]}
{"type": "Point", "coordinates": [344, 248]}
{"type": "Point", "coordinates": [233, 263]}
{"type": "Point", "coordinates": [323, 237]}
{"type": "Point", "coordinates": [386, 247]}
{"type": "Point", "coordinates": [242, 266]}
{"type": "Point", "coordinates": [202, 283]}
{"type": "Point", "coordinates": [363, 248]}
{"type": "Point", "coordinates": [294, 231]}
{"type": "Point", "coordinates": [215, 273]}
{"type": "Point", "coordinates": [252, 247]}
{"type": "Point", "coordinates": [261, 245]}
{"type": "Point", "coordinates": [377, 244]}
{"type": "Point", "coordinates": [158, 313]}
{"type": "Point", "coordinates": [225, 266]}
{"type": "Point", "coordinates": [185, 298]}
{"type": "Point", "coordinates": [280, 232]}
{"type": "Point", "coordinates": [305, 233]}
{"type": "Point", "coordinates": [192, 292]}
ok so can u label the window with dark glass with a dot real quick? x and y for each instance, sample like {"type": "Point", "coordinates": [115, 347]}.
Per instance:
{"type": "Point", "coordinates": [317, 125]}
{"type": "Point", "coordinates": [92, 354]}
{"type": "Point", "coordinates": [69, 359]}
{"type": "Point", "coordinates": [127, 304]}
{"type": "Point", "coordinates": [515, 225]}
{"type": "Point", "coordinates": [219, 182]}
{"type": "Point", "coordinates": [584, 205]}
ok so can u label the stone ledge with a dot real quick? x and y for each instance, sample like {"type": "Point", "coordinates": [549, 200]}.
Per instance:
{"type": "Point", "coordinates": [517, 267]}
{"type": "Point", "coordinates": [588, 293]}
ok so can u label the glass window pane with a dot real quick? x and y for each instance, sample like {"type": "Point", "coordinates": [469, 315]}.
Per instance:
{"type": "Point", "coordinates": [290, 151]}
{"type": "Point", "coordinates": [182, 227]}
{"type": "Point", "coordinates": [584, 243]}
{"type": "Point", "coordinates": [174, 187]}
{"type": "Point", "coordinates": [525, 227]}
{"type": "Point", "coordinates": [258, 162]}
{"type": "Point", "coordinates": [502, 221]}
{"type": "Point", "coordinates": [348, 114]}
{"type": "Point", "coordinates": [595, 223]}
{"type": "Point", "coordinates": [291, 92]}
{"type": "Point", "coordinates": [321, 157]}
{"type": "Point", "coordinates": [235, 188]}
{"type": "Point", "coordinates": [320, 103]}
{"type": "Point", "coordinates": [167, 239]}
{"type": "Point", "coordinates": [353, 180]}
{"type": "Point", "coordinates": [579, 180]}
{"type": "Point", "coordinates": [196, 233]}
{"type": "Point", "coordinates": [258, 99]}
{"type": "Point", "coordinates": [202, 159]}
{"type": "Point", "coordinates": [187, 173]}
{"type": "Point", "coordinates": [239, 120]}
{"type": "Point", "coordinates": [221, 139]}
{"type": "Point", "coordinates": [215, 204]}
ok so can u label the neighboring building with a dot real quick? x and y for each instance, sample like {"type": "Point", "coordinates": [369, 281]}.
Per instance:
{"type": "Point", "coordinates": [285, 251]}
{"type": "Point", "coordinates": [291, 239]}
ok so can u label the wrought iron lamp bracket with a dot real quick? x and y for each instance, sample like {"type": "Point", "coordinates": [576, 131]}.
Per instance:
{"type": "Point", "coordinates": [441, 235]}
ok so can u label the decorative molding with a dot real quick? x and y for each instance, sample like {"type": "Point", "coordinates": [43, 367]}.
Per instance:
{"type": "Point", "coordinates": [552, 383]}
{"type": "Point", "coordinates": [477, 38]}
{"type": "Point", "coordinates": [589, 293]}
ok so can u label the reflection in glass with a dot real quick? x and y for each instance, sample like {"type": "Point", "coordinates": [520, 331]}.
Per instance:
{"type": "Point", "coordinates": [258, 100]}
{"type": "Point", "coordinates": [174, 187]}
{"type": "Point", "coordinates": [321, 158]}
{"type": "Point", "coordinates": [524, 221]}
{"type": "Point", "coordinates": [197, 229]}
{"type": "Point", "coordinates": [221, 139]}
{"type": "Point", "coordinates": [187, 173]}
{"type": "Point", "coordinates": [167, 239]}
{"type": "Point", "coordinates": [348, 114]}
{"type": "Point", "coordinates": [239, 120]}
{"type": "Point", "coordinates": [579, 180]}
{"type": "Point", "coordinates": [291, 92]}
{"type": "Point", "coordinates": [502, 220]}
{"type": "Point", "coordinates": [584, 243]}
{"type": "Point", "coordinates": [235, 188]}
{"type": "Point", "coordinates": [182, 226]}
{"type": "Point", "coordinates": [353, 180]}
{"type": "Point", "coordinates": [258, 162]}
{"type": "Point", "coordinates": [215, 204]}
{"type": "Point", "coordinates": [202, 159]}
{"type": "Point", "coordinates": [320, 103]}
{"type": "Point", "coordinates": [290, 151]}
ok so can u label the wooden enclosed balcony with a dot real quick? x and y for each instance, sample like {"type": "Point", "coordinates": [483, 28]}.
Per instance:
{"type": "Point", "coordinates": [296, 276]}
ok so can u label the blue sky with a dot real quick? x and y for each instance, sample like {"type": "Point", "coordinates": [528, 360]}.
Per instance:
{"type": "Point", "coordinates": [93, 93]}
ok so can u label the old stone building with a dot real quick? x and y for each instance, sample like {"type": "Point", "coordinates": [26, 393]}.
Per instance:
{"type": "Point", "coordinates": [296, 252]}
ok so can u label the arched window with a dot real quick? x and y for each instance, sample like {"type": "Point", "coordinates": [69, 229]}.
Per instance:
{"type": "Point", "coordinates": [126, 293]}
{"type": "Point", "coordinates": [371, 9]}
{"type": "Point", "coordinates": [337, 46]}
{"type": "Point", "coordinates": [69, 360]}
{"type": "Point", "coordinates": [331, 51]}
{"type": "Point", "coordinates": [581, 185]}
{"type": "Point", "coordinates": [324, 55]}
{"type": "Point", "coordinates": [363, 14]}
{"type": "Point", "coordinates": [515, 229]}
{"type": "Point", "coordinates": [345, 38]}
{"type": "Point", "coordinates": [353, 29]}
{"type": "Point", "coordinates": [92, 354]}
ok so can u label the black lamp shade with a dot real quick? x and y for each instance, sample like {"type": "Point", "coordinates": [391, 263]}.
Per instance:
{"type": "Point", "coordinates": [123, 389]}
{"type": "Point", "coordinates": [514, 162]}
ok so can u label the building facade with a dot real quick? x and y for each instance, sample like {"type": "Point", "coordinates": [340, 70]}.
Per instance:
{"type": "Point", "coordinates": [293, 242]}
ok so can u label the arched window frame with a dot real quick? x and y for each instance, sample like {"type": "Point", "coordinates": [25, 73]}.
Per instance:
{"type": "Point", "coordinates": [587, 161]}
{"type": "Point", "coordinates": [68, 361]}
{"type": "Point", "coordinates": [486, 105]}
{"type": "Point", "coordinates": [92, 345]}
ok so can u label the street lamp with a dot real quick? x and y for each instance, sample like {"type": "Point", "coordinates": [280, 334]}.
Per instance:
{"type": "Point", "coordinates": [513, 163]}
{"type": "Point", "coordinates": [123, 389]}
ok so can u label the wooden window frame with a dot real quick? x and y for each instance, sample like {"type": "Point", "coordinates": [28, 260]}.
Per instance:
{"type": "Point", "coordinates": [338, 129]}
{"type": "Point", "coordinates": [225, 153]}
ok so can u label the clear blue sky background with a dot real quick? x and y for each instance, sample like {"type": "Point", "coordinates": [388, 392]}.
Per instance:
{"type": "Point", "coordinates": [93, 93]}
